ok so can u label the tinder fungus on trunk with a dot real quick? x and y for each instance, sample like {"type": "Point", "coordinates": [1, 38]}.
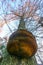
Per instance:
{"type": "Point", "coordinates": [22, 44]}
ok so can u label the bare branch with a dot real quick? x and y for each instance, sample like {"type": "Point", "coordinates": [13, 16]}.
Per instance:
{"type": "Point", "coordinates": [27, 10]}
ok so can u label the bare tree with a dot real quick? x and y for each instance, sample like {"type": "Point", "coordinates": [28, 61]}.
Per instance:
{"type": "Point", "coordinates": [25, 9]}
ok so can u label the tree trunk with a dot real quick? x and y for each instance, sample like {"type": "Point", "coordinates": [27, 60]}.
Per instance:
{"type": "Point", "coordinates": [22, 24]}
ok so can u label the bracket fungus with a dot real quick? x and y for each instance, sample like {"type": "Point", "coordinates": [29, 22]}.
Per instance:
{"type": "Point", "coordinates": [22, 43]}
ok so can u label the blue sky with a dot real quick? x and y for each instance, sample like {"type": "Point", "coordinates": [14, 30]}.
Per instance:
{"type": "Point", "coordinates": [4, 4]}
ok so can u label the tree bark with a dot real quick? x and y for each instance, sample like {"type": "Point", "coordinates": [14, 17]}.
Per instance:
{"type": "Point", "coordinates": [22, 24]}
